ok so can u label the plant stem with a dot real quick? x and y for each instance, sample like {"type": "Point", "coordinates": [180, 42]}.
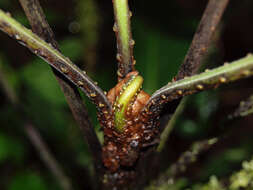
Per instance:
{"type": "Point", "coordinates": [35, 137]}
{"type": "Point", "coordinates": [236, 70]}
{"type": "Point", "coordinates": [123, 101]}
{"type": "Point", "coordinates": [202, 38]}
{"type": "Point", "coordinates": [165, 134]}
{"type": "Point", "coordinates": [184, 160]}
{"type": "Point", "coordinates": [125, 42]}
{"type": "Point", "coordinates": [47, 157]}
{"type": "Point", "coordinates": [55, 59]}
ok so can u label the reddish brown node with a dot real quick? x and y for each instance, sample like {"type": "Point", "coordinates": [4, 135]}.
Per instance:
{"type": "Point", "coordinates": [115, 91]}
{"type": "Point", "coordinates": [109, 156]}
{"type": "Point", "coordinates": [122, 149]}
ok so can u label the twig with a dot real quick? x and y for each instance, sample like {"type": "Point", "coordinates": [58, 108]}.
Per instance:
{"type": "Point", "coordinates": [36, 139]}
{"type": "Point", "coordinates": [38, 21]}
{"type": "Point", "coordinates": [245, 108]}
{"type": "Point", "coordinates": [236, 70]}
{"type": "Point", "coordinates": [202, 38]}
{"type": "Point", "coordinates": [6, 88]}
{"type": "Point", "coordinates": [185, 160]}
{"type": "Point", "coordinates": [165, 134]}
{"type": "Point", "coordinates": [47, 157]}
{"type": "Point", "coordinates": [125, 43]}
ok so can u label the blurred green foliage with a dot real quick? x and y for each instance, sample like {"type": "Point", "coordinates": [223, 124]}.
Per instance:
{"type": "Point", "coordinates": [11, 149]}
{"type": "Point", "coordinates": [28, 181]}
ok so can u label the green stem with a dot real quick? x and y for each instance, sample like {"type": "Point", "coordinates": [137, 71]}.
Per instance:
{"type": "Point", "coordinates": [169, 127]}
{"type": "Point", "coordinates": [124, 99]}
{"type": "Point", "coordinates": [236, 70]}
{"type": "Point", "coordinates": [125, 42]}
{"type": "Point", "coordinates": [53, 57]}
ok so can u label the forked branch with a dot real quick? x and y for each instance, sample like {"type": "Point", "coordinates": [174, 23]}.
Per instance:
{"type": "Point", "coordinates": [55, 59]}
{"type": "Point", "coordinates": [38, 21]}
{"type": "Point", "coordinates": [198, 48]}
{"type": "Point", "coordinates": [202, 38]}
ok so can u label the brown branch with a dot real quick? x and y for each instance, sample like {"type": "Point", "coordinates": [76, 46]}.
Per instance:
{"type": "Point", "coordinates": [35, 138]}
{"type": "Point", "coordinates": [196, 52]}
{"type": "Point", "coordinates": [41, 27]}
{"type": "Point", "coordinates": [202, 38]}
{"type": "Point", "coordinates": [47, 157]}
{"type": "Point", "coordinates": [185, 160]}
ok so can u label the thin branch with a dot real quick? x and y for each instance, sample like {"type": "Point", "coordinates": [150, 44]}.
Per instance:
{"type": "Point", "coordinates": [9, 92]}
{"type": "Point", "coordinates": [202, 38]}
{"type": "Point", "coordinates": [165, 134]}
{"type": "Point", "coordinates": [47, 157]}
{"type": "Point", "coordinates": [185, 160]}
{"type": "Point", "coordinates": [55, 59]}
{"type": "Point", "coordinates": [38, 21]}
{"type": "Point", "coordinates": [244, 109]}
{"type": "Point", "coordinates": [125, 43]}
{"type": "Point", "coordinates": [236, 70]}
{"type": "Point", "coordinates": [35, 138]}
{"type": "Point", "coordinates": [72, 72]}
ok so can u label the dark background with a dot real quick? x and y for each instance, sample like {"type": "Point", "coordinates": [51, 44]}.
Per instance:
{"type": "Point", "coordinates": [163, 31]}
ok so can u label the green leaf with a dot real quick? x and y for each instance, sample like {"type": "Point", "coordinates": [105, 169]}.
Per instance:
{"type": "Point", "coordinates": [28, 181]}
{"type": "Point", "coordinates": [72, 48]}
{"type": "Point", "coordinates": [10, 149]}
{"type": "Point", "coordinates": [187, 128]}
{"type": "Point", "coordinates": [158, 55]}
{"type": "Point", "coordinates": [39, 77]}
{"type": "Point", "coordinates": [5, 3]}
